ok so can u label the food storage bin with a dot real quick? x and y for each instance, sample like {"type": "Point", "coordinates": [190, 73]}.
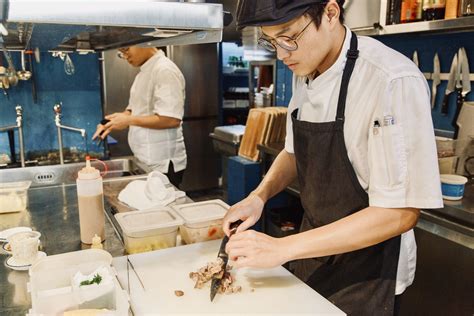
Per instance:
{"type": "Point", "coordinates": [149, 230]}
{"type": "Point", "coordinates": [14, 196]}
{"type": "Point", "coordinates": [202, 220]}
{"type": "Point", "coordinates": [51, 287]}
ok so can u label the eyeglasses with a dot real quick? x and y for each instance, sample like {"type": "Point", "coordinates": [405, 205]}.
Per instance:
{"type": "Point", "coordinates": [287, 43]}
{"type": "Point", "coordinates": [123, 52]}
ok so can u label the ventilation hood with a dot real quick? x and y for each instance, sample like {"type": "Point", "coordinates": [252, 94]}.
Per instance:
{"type": "Point", "coordinates": [98, 25]}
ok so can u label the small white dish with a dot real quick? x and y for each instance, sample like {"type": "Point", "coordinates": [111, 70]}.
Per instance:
{"type": "Point", "coordinates": [12, 264]}
{"type": "Point", "coordinates": [4, 234]}
{"type": "Point", "coordinates": [8, 248]}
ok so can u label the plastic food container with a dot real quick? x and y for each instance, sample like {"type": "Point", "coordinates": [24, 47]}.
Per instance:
{"type": "Point", "coordinates": [452, 186]}
{"type": "Point", "coordinates": [51, 287]}
{"type": "Point", "coordinates": [14, 196]}
{"type": "Point", "coordinates": [202, 220]}
{"type": "Point", "coordinates": [149, 230]}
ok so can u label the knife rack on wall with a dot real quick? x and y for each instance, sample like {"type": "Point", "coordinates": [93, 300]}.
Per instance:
{"type": "Point", "coordinates": [443, 76]}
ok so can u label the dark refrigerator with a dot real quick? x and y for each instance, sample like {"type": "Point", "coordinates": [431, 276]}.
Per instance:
{"type": "Point", "coordinates": [200, 67]}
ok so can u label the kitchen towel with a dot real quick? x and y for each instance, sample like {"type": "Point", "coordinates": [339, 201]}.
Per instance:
{"type": "Point", "coordinates": [155, 191]}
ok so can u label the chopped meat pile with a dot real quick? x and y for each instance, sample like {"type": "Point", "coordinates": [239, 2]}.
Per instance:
{"type": "Point", "coordinates": [214, 269]}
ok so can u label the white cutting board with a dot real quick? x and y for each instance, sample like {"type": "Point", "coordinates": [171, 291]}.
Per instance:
{"type": "Point", "coordinates": [276, 291]}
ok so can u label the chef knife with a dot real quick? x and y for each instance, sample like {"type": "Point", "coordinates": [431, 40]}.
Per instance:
{"type": "Point", "coordinates": [466, 80]}
{"type": "Point", "coordinates": [415, 59]}
{"type": "Point", "coordinates": [436, 79]}
{"type": "Point", "coordinates": [216, 281]}
{"type": "Point", "coordinates": [463, 87]}
{"type": "Point", "coordinates": [451, 85]}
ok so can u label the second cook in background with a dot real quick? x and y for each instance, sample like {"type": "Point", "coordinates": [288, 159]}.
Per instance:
{"type": "Point", "coordinates": [360, 140]}
{"type": "Point", "coordinates": [154, 113]}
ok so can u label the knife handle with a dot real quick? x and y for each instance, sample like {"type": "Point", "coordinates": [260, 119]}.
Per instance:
{"type": "Point", "coordinates": [444, 106]}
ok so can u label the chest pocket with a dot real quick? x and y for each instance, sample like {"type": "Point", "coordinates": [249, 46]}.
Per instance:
{"type": "Point", "coordinates": [388, 157]}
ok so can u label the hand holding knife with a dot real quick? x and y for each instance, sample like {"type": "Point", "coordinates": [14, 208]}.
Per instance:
{"type": "Point", "coordinates": [216, 281]}
{"type": "Point", "coordinates": [103, 122]}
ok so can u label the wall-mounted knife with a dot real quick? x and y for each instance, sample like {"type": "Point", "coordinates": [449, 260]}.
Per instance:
{"type": "Point", "coordinates": [451, 85]}
{"type": "Point", "coordinates": [466, 80]}
{"type": "Point", "coordinates": [463, 87]}
{"type": "Point", "coordinates": [436, 79]}
{"type": "Point", "coordinates": [415, 59]}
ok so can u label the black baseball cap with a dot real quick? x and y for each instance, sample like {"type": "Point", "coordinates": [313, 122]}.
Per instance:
{"type": "Point", "coordinates": [271, 12]}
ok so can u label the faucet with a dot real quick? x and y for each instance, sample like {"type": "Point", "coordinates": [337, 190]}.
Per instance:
{"type": "Point", "coordinates": [57, 120]}
{"type": "Point", "coordinates": [19, 125]}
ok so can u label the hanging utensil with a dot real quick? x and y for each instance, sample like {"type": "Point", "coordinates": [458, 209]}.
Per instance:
{"type": "Point", "coordinates": [69, 66]}
{"type": "Point", "coordinates": [23, 74]}
{"type": "Point", "coordinates": [451, 85]}
{"type": "Point", "coordinates": [436, 77]}
{"type": "Point", "coordinates": [11, 74]}
{"type": "Point", "coordinates": [463, 87]}
{"type": "Point", "coordinates": [34, 92]}
{"type": "Point", "coordinates": [415, 59]}
{"type": "Point", "coordinates": [466, 80]}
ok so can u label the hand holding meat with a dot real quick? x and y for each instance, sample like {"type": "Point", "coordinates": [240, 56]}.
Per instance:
{"type": "Point", "coordinates": [248, 210]}
{"type": "Point", "coordinates": [256, 250]}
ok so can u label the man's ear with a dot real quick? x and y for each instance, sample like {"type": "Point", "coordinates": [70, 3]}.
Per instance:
{"type": "Point", "coordinates": [332, 11]}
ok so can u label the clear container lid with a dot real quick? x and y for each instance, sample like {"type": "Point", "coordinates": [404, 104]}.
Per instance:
{"type": "Point", "coordinates": [199, 212]}
{"type": "Point", "coordinates": [14, 186]}
{"type": "Point", "coordinates": [149, 222]}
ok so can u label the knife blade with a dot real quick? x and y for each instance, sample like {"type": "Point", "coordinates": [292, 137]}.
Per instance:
{"type": "Point", "coordinates": [216, 281]}
{"type": "Point", "coordinates": [415, 59]}
{"type": "Point", "coordinates": [451, 85]}
{"type": "Point", "coordinates": [436, 79]}
{"type": "Point", "coordinates": [466, 80]}
{"type": "Point", "coordinates": [459, 91]}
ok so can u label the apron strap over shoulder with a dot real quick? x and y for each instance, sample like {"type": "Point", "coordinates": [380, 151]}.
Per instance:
{"type": "Point", "coordinates": [352, 55]}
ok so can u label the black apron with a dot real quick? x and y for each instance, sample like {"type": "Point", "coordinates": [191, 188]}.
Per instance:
{"type": "Point", "coordinates": [360, 282]}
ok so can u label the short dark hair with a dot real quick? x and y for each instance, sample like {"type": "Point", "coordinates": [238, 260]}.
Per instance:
{"type": "Point", "coordinates": [316, 11]}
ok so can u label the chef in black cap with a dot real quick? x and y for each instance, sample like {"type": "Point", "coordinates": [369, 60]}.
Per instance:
{"type": "Point", "coordinates": [360, 140]}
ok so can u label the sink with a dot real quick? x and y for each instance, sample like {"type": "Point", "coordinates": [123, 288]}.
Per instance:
{"type": "Point", "coordinates": [67, 173]}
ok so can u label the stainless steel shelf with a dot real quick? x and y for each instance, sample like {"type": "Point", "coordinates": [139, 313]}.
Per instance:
{"type": "Point", "coordinates": [453, 25]}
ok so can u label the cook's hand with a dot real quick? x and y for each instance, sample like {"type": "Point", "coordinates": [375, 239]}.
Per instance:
{"type": "Point", "coordinates": [248, 210]}
{"type": "Point", "coordinates": [256, 250]}
{"type": "Point", "coordinates": [117, 121]}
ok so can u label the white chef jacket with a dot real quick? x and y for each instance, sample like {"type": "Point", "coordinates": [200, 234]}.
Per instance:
{"type": "Point", "coordinates": [158, 89]}
{"type": "Point", "coordinates": [396, 164]}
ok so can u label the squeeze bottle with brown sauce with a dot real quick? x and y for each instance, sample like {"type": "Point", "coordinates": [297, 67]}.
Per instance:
{"type": "Point", "coordinates": [90, 196]}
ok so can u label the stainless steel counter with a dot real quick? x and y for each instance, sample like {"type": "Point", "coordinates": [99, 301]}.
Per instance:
{"type": "Point", "coordinates": [53, 211]}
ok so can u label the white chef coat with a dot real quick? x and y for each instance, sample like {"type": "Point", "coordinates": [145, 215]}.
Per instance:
{"type": "Point", "coordinates": [396, 164]}
{"type": "Point", "coordinates": [158, 89]}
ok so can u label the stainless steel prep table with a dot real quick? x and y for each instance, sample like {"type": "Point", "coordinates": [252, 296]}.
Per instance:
{"type": "Point", "coordinates": [53, 211]}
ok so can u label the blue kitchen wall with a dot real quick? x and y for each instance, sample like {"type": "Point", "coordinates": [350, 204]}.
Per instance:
{"type": "Point", "coordinates": [81, 104]}
{"type": "Point", "coordinates": [446, 45]}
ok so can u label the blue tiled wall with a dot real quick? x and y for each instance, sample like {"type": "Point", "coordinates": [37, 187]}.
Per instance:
{"type": "Point", "coordinates": [79, 94]}
{"type": "Point", "coordinates": [446, 45]}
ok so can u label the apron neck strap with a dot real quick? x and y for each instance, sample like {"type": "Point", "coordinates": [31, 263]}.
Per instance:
{"type": "Point", "coordinates": [352, 55]}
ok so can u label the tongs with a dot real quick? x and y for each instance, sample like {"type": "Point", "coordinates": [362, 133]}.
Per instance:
{"type": "Point", "coordinates": [217, 280]}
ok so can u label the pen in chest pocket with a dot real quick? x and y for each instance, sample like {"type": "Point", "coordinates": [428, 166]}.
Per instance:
{"type": "Point", "coordinates": [376, 127]}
